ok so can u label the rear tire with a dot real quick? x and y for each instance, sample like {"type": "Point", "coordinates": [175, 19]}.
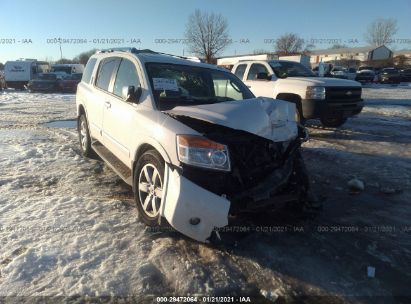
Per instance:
{"type": "Point", "coordinates": [333, 121]}
{"type": "Point", "coordinates": [148, 186]}
{"type": "Point", "coordinates": [84, 137]}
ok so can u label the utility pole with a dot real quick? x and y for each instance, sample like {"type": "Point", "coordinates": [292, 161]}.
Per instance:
{"type": "Point", "coordinates": [61, 52]}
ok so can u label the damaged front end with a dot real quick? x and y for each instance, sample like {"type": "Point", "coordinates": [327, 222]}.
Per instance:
{"type": "Point", "coordinates": [263, 173]}
{"type": "Point", "coordinates": [266, 167]}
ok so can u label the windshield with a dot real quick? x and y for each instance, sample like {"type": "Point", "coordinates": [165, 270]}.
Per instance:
{"type": "Point", "coordinates": [290, 69]}
{"type": "Point", "coordinates": [183, 85]}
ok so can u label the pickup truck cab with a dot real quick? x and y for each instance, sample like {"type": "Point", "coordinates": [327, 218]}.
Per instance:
{"type": "Point", "coordinates": [329, 99]}
{"type": "Point", "coordinates": [190, 138]}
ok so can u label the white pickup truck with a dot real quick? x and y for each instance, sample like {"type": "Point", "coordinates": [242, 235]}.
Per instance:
{"type": "Point", "coordinates": [329, 99]}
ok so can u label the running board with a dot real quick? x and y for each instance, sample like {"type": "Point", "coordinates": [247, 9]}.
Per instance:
{"type": "Point", "coordinates": [113, 162]}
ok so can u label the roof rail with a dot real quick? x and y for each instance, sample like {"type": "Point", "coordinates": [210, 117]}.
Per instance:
{"type": "Point", "coordinates": [136, 51]}
{"type": "Point", "coordinates": [125, 49]}
{"type": "Point", "coordinates": [196, 59]}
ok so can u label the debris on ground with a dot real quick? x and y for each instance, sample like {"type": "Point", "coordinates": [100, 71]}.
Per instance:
{"type": "Point", "coordinates": [389, 190]}
{"type": "Point", "coordinates": [270, 295]}
{"type": "Point", "coordinates": [355, 185]}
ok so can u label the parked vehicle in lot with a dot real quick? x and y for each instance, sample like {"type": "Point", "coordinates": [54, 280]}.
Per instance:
{"type": "Point", "coordinates": [339, 72]}
{"type": "Point", "coordinates": [47, 82]}
{"type": "Point", "coordinates": [366, 68]}
{"type": "Point", "coordinates": [18, 73]}
{"type": "Point", "coordinates": [69, 82]}
{"type": "Point", "coordinates": [332, 100]}
{"type": "Point", "coordinates": [71, 68]}
{"type": "Point", "coordinates": [365, 76]}
{"type": "Point", "coordinates": [190, 138]}
{"type": "Point", "coordinates": [405, 75]}
{"type": "Point", "coordinates": [389, 75]}
{"type": "Point", "coordinates": [344, 73]}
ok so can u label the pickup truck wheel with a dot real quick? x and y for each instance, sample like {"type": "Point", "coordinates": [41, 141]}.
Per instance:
{"type": "Point", "coordinates": [84, 137]}
{"type": "Point", "coordinates": [149, 182]}
{"type": "Point", "coordinates": [333, 121]}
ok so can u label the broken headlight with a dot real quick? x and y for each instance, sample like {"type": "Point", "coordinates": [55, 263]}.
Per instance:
{"type": "Point", "coordinates": [202, 152]}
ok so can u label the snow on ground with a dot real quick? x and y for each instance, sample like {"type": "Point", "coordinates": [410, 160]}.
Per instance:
{"type": "Point", "coordinates": [68, 225]}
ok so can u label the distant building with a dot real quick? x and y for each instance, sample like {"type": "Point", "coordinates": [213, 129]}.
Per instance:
{"type": "Point", "coordinates": [365, 53]}
{"type": "Point", "coordinates": [229, 61]}
{"type": "Point", "coordinates": [402, 57]}
{"type": "Point", "coordinates": [406, 53]}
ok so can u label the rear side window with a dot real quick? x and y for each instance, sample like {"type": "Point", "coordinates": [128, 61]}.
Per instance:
{"type": "Point", "coordinates": [239, 72]}
{"type": "Point", "coordinates": [88, 71]}
{"type": "Point", "coordinates": [126, 76]}
{"type": "Point", "coordinates": [105, 72]}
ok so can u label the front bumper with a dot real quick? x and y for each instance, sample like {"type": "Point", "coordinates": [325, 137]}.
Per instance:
{"type": "Point", "coordinates": [199, 196]}
{"type": "Point", "coordinates": [185, 201]}
{"type": "Point", "coordinates": [317, 108]}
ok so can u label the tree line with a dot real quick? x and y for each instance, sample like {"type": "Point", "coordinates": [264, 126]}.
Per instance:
{"type": "Point", "coordinates": [208, 35]}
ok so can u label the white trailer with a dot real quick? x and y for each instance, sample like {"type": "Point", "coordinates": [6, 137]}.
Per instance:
{"type": "Point", "coordinates": [18, 73]}
{"type": "Point", "coordinates": [303, 59]}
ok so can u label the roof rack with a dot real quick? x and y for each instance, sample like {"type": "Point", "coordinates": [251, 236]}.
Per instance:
{"type": "Point", "coordinates": [147, 51]}
{"type": "Point", "coordinates": [126, 49]}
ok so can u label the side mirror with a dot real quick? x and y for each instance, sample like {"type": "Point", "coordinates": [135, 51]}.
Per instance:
{"type": "Point", "coordinates": [263, 76]}
{"type": "Point", "coordinates": [130, 94]}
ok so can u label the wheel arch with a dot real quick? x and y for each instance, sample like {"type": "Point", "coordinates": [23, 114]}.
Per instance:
{"type": "Point", "coordinates": [81, 110]}
{"type": "Point", "coordinates": [144, 147]}
{"type": "Point", "coordinates": [291, 97]}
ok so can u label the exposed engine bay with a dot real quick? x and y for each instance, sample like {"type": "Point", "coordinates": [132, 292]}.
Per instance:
{"type": "Point", "coordinates": [263, 172]}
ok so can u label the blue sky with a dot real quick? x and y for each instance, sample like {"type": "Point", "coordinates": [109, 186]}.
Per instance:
{"type": "Point", "coordinates": [251, 23]}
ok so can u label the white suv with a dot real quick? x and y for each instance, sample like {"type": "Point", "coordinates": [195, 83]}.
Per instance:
{"type": "Point", "coordinates": [190, 138]}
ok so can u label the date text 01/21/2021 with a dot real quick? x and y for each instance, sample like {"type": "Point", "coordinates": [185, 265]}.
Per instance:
{"type": "Point", "coordinates": [205, 299]}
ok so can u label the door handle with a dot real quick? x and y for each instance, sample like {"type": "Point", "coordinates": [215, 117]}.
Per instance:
{"type": "Point", "coordinates": [107, 104]}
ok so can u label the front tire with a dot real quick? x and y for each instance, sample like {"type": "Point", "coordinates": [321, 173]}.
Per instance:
{"type": "Point", "coordinates": [333, 121]}
{"type": "Point", "coordinates": [148, 186]}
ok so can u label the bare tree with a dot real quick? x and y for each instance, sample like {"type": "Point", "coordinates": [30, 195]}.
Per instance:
{"type": "Point", "coordinates": [207, 34]}
{"type": "Point", "coordinates": [83, 57]}
{"type": "Point", "coordinates": [289, 44]}
{"type": "Point", "coordinates": [381, 31]}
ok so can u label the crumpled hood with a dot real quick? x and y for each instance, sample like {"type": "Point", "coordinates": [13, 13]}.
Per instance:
{"type": "Point", "coordinates": [266, 117]}
{"type": "Point", "coordinates": [320, 81]}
